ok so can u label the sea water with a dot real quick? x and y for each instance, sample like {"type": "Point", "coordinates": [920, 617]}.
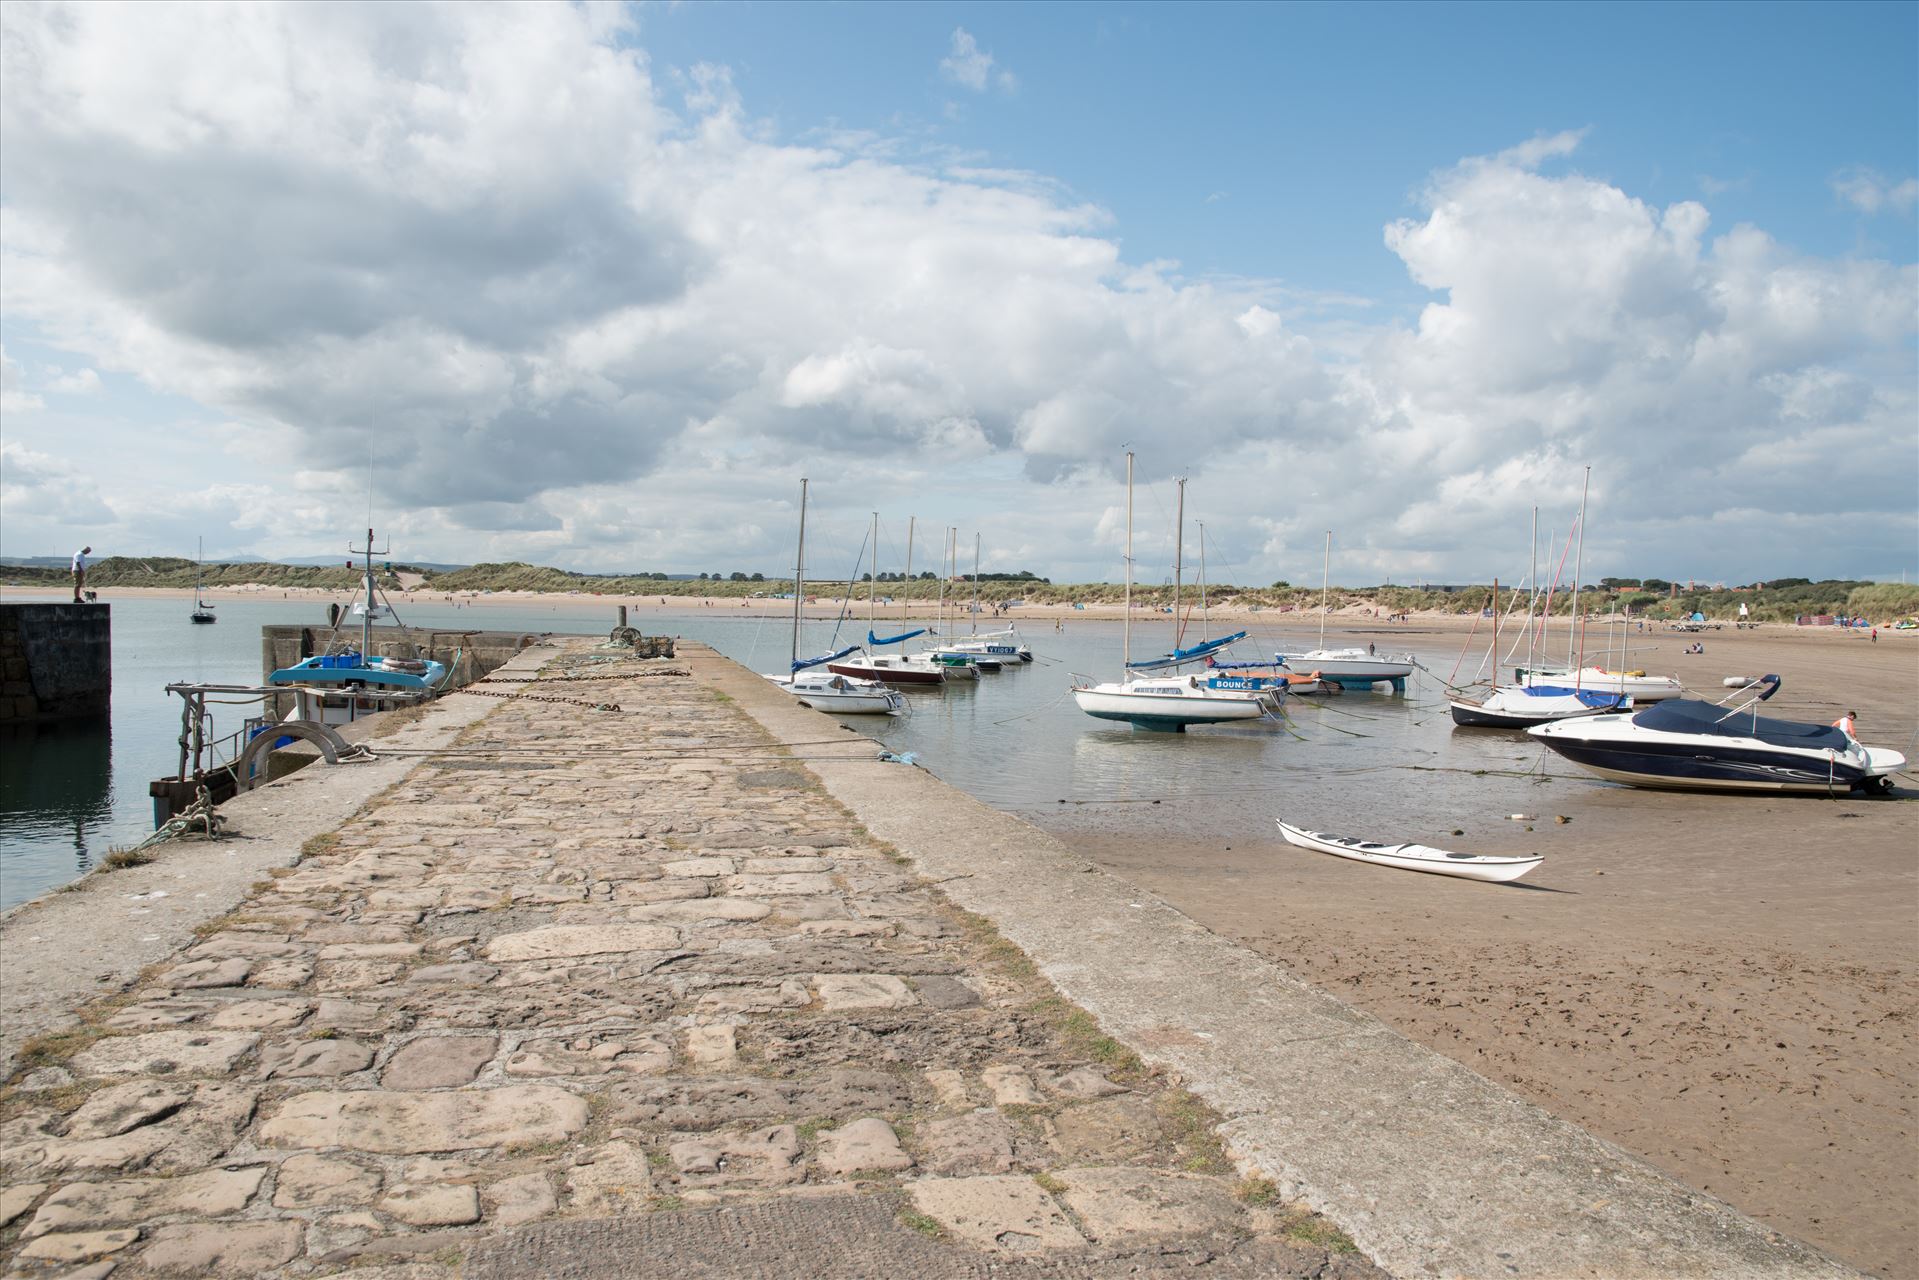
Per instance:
{"type": "Point", "coordinates": [1379, 764]}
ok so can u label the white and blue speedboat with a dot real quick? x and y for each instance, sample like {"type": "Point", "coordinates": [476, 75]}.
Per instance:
{"type": "Point", "coordinates": [1683, 744]}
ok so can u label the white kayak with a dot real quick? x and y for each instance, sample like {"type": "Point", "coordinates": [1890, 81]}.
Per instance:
{"type": "Point", "coordinates": [1413, 857]}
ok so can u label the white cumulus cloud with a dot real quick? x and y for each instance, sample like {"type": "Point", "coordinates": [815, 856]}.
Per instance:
{"type": "Point", "coordinates": [571, 309]}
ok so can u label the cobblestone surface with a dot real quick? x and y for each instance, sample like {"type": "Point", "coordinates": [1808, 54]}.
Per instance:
{"type": "Point", "coordinates": [609, 994]}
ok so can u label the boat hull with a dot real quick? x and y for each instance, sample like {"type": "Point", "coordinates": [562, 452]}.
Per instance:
{"type": "Point", "coordinates": [850, 700]}
{"type": "Point", "coordinates": [900, 676]}
{"type": "Point", "coordinates": [1517, 709]}
{"type": "Point", "coordinates": [1350, 668]}
{"type": "Point", "coordinates": [1165, 712]}
{"type": "Point", "coordinates": [1641, 689]}
{"type": "Point", "coordinates": [1684, 767]}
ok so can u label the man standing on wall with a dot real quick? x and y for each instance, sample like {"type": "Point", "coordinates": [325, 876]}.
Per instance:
{"type": "Point", "coordinates": [80, 572]}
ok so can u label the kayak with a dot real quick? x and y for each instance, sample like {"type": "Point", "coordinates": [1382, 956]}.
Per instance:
{"type": "Point", "coordinates": [1413, 857]}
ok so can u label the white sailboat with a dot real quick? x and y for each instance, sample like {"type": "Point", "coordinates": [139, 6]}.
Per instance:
{"type": "Point", "coordinates": [825, 690]}
{"type": "Point", "coordinates": [202, 611]}
{"type": "Point", "coordinates": [1351, 668]}
{"type": "Point", "coordinates": [1520, 706]}
{"type": "Point", "coordinates": [1167, 703]}
{"type": "Point", "coordinates": [1636, 685]}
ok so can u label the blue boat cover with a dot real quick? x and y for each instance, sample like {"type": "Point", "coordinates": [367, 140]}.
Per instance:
{"type": "Point", "coordinates": [1683, 715]}
{"type": "Point", "coordinates": [804, 663]}
{"type": "Point", "coordinates": [1193, 654]}
{"type": "Point", "coordinates": [876, 641]}
{"type": "Point", "coordinates": [1590, 697]}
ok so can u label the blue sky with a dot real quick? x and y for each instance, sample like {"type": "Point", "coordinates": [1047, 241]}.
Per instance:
{"type": "Point", "coordinates": [595, 285]}
{"type": "Point", "coordinates": [1272, 140]}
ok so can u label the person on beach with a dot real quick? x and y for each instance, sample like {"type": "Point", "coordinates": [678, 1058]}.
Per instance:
{"type": "Point", "coordinates": [1848, 723]}
{"type": "Point", "coordinates": [80, 572]}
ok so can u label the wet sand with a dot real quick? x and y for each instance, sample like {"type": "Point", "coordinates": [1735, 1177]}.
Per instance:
{"type": "Point", "coordinates": [1724, 985]}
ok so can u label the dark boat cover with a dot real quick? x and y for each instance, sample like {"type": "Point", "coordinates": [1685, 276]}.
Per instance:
{"type": "Point", "coordinates": [1683, 715]}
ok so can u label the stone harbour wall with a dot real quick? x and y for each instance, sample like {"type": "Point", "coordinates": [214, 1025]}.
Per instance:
{"type": "Point", "coordinates": [56, 661]}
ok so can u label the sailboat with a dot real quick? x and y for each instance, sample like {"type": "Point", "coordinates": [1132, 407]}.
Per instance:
{"type": "Point", "coordinates": [1636, 685]}
{"type": "Point", "coordinates": [824, 690]}
{"type": "Point", "coordinates": [1167, 703]}
{"type": "Point", "coordinates": [1348, 668]}
{"type": "Point", "coordinates": [905, 670]}
{"type": "Point", "coordinates": [968, 652]}
{"type": "Point", "coordinates": [1520, 706]}
{"type": "Point", "coordinates": [202, 611]}
{"type": "Point", "coordinates": [344, 683]}
{"type": "Point", "coordinates": [984, 647]}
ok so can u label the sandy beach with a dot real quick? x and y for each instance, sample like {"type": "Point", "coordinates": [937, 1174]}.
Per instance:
{"type": "Point", "coordinates": [1725, 985]}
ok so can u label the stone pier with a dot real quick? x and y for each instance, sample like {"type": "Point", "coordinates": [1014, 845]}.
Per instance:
{"type": "Point", "coordinates": [607, 984]}
{"type": "Point", "coordinates": [56, 661]}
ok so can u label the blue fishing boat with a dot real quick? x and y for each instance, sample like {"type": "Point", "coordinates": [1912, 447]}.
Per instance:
{"type": "Point", "coordinates": [345, 683]}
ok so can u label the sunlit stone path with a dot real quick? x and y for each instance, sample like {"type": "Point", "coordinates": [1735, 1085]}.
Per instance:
{"type": "Point", "coordinates": [604, 991]}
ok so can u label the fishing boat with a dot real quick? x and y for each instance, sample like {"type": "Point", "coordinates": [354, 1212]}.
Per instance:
{"type": "Point", "coordinates": [1414, 857]}
{"type": "Point", "coordinates": [1161, 703]}
{"type": "Point", "coordinates": [343, 684]}
{"type": "Point", "coordinates": [1685, 744]}
{"type": "Point", "coordinates": [1350, 668]}
{"type": "Point", "coordinates": [202, 611]}
{"type": "Point", "coordinates": [825, 690]}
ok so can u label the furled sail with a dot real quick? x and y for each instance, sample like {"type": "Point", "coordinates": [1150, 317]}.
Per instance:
{"type": "Point", "coordinates": [1178, 656]}
{"type": "Point", "coordinates": [804, 663]}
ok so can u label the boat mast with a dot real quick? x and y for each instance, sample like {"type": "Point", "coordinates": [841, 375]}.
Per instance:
{"type": "Point", "coordinates": [1493, 653]}
{"type": "Point", "coordinates": [975, 627]}
{"type": "Point", "coordinates": [939, 610]}
{"type": "Point", "coordinates": [907, 581]}
{"type": "Point", "coordinates": [1577, 636]}
{"type": "Point", "coordinates": [799, 580]}
{"type": "Point", "coordinates": [1325, 576]}
{"type": "Point", "coordinates": [1532, 601]}
{"type": "Point", "coordinates": [1179, 546]}
{"type": "Point", "coordinates": [1205, 628]}
{"type": "Point", "coordinates": [873, 578]}
{"type": "Point", "coordinates": [1126, 627]}
{"type": "Point", "coordinates": [366, 620]}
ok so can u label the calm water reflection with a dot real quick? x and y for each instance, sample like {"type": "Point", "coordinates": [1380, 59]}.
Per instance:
{"type": "Point", "coordinates": [1015, 740]}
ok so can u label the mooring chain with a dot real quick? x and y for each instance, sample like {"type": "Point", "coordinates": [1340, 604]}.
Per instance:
{"type": "Point", "coordinates": [581, 679]}
{"type": "Point", "coordinates": [543, 697]}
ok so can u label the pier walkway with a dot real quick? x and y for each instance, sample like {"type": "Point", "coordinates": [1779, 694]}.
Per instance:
{"type": "Point", "coordinates": [698, 987]}
{"type": "Point", "coordinates": [611, 993]}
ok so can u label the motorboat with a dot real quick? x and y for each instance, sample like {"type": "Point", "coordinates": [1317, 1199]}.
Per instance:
{"type": "Point", "coordinates": [1685, 744]}
{"type": "Point", "coordinates": [1636, 685]}
{"type": "Point", "coordinates": [1414, 857]}
{"type": "Point", "coordinates": [1523, 706]}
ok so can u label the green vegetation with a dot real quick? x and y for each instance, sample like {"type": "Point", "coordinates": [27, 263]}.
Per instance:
{"type": "Point", "coordinates": [172, 571]}
{"type": "Point", "coordinates": [1774, 600]}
